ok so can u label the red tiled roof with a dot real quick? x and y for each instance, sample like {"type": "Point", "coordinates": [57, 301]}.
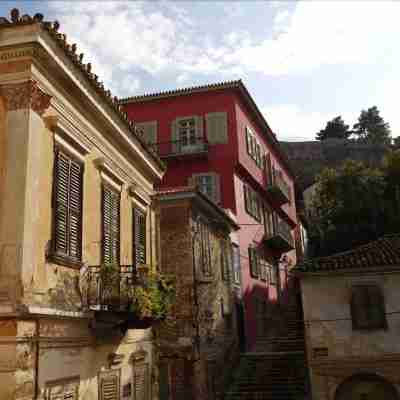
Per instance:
{"type": "Point", "coordinates": [379, 253]}
{"type": "Point", "coordinates": [70, 51]}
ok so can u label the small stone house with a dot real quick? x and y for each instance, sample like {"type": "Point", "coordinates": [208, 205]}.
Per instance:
{"type": "Point", "coordinates": [352, 322]}
{"type": "Point", "coordinates": [75, 195]}
{"type": "Point", "coordinates": [198, 341]}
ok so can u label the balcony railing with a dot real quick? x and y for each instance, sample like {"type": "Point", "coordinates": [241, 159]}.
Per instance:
{"type": "Point", "coordinates": [278, 189]}
{"type": "Point", "coordinates": [108, 286]}
{"type": "Point", "coordinates": [182, 148]}
{"type": "Point", "coordinates": [280, 239]}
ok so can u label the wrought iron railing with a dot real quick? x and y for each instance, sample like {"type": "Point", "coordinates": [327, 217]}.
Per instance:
{"type": "Point", "coordinates": [107, 286]}
{"type": "Point", "coordinates": [180, 147]}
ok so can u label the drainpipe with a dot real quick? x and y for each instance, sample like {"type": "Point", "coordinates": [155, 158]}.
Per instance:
{"type": "Point", "coordinates": [36, 340]}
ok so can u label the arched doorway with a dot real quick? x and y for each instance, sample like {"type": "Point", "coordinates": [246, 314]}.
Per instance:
{"type": "Point", "coordinates": [366, 387]}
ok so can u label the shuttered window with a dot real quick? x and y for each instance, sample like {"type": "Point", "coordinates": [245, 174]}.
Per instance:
{"type": "Point", "coordinates": [110, 224]}
{"type": "Point", "coordinates": [139, 237]}
{"type": "Point", "coordinates": [109, 385]}
{"type": "Point", "coordinates": [64, 389]}
{"type": "Point", "coordinates": [254, 261]}
{"type": "Point", "coordinates": [253, 203]}
{"type": "Point", "coordinates": [217, 128]}
{"type": "Point", "coordinates": [224, 261]}
{"type": "Point", "coordinates": [236, 263]}
{"type": "Point", "coordinates": [254, 148]}
{"type": "Point", "coordinates": [140, 381]}
{"type": "Point", "coordinates": [67, 206]}
{"type": "Point", "coordinates": [205, 249]}
{"type": "Point", "coordinates": [209, 184]}
{"type": "Point", "coordinates": [368, 307]}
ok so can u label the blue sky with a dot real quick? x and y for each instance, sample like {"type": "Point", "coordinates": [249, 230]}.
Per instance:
{"type": "Point", "coordinates": [303, 62]}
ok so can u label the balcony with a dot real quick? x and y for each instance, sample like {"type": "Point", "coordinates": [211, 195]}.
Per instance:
{"type": "Point", "coordinates": [189, 148]}
{"type": "Point", "coordinates": [278, 189]}
{"type": "Point", "coordinates": [124, 294]}
{"type": "Point", "coordinates": [280, 239]}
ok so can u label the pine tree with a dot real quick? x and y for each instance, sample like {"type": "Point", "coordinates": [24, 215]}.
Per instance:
{"type": "Point", "coordinates": [371, 128]}
{"type": "Point", "coordinates": [335, 129]}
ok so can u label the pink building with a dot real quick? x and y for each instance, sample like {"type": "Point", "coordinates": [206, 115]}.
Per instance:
{"type": "Point", "coordinates": [216, 137]}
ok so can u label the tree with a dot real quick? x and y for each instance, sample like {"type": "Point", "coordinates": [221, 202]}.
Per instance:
{"type": "Point", "coordinates": [354, 205]}
{"type": "Point", "coordinates": [371, 128]}
{"type": "Point", "coordinates": [396, 142]}
{"type": "Point", "coordinates": [334, 129]}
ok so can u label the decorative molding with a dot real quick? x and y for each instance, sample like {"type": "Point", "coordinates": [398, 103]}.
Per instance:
{"type": "Point", "coordinates": [25, 95]}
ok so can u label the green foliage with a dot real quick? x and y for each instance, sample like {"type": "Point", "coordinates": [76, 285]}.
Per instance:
{"type": "Point", "coordinates": [154, 299]}
{"type": "Point", "coordinates": [371, 128]}
{"type": "Point", "coordinates": [335, 129]}
{"type": "Point", "coordinates": [354, 204]}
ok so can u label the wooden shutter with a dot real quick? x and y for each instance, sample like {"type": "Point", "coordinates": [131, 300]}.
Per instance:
{"type": "Point", "coordinates": [111, 225]}
{"type": "Point", "coordinates": [67, 389]}
{"type": "Point", "coordinates": [109, 387]}
{"type": "Point", "coordinates": [68, 183]}
{"type": "Point", "coordinates": [376, 309]}
{"type": "Point", "coordinates": [253, 262]}
{"type": "Point", "coordinates": [71, 391]}
{"type": "Point", "coordinates": [140, 376]}
{"type": "Point", "coordinates": [149, 130]}
{"type": "Point", "coordinates": [163, 383]}
{"type": "Point", "coordinates": [139, 236]}
{"type": "Point", "coordinates": [248, 141]}
{"type": "Point", "coordinates": [175, 145]}
{"type": "Point", "coordinates": [359, 307]}
{"type": "Point", "coordinates": [217, 128]}
{"type": "Point", "coordinates": [268, 168]}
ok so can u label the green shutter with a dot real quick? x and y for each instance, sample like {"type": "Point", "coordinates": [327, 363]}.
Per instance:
{"type": "Point", "coordinates": [217, 128]}
{"type": "Point", "coordinates": [68, 188]}
{"type": "Point", "coordinates": [175, 145]}
{"type": "Point", "coordinates": [139, 236]}
{"type": "Point", "coordinates": [110, 225]}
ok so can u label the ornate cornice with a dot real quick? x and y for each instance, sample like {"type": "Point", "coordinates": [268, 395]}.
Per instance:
{"type": "Point", "coordinates": [25, 95]}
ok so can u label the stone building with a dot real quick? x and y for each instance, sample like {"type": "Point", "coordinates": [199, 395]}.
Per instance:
{"type": "Point", "coordinates": [75, 195]}
{"type": "Point", "coordinates": [352, 322]}
{"type": "Point", "coordinates": [199, 341]}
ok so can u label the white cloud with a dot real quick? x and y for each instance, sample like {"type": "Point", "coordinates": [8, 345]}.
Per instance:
{"type": "Point", "coordinates": [291, 123]}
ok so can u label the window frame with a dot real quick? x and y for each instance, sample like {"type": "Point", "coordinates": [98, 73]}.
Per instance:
{"type": "Point", "coordinates": [236, 273]}
{"type": "Point", "coordinates": [253, 203]}
{"type": "Point", "coordinates": [371, 323]}
{"type": "Point", "coordinates": [138, 213]}
{"type": "Point", "coordinates": [62, 382]}
{"type": "Point", "coordinates": [254, 147]}
{"type": "Point", "coordinates": [53, 254]}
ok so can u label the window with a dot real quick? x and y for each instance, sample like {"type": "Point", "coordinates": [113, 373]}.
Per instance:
{"type": "Point", "coordinates": [273, 274]}
{"type": "Point", "coordinates": [254, 149]}
{"type": "Point", "coordinates": [63, 389]}
{"type": "Point", "coordinates": [236, 263]}
{"type": "Point", "coordinates": [224, 261]}
{"type": "Point", "coordinates": [139, 237]}
{"type": "Point", "coordinates": [148, 131]}
{"type": "Point", "coordinates": [268, 222]}
{"type": "Point", "coordinates": [217, 128]}
{"type": "Point", "coordinates": [110, 225]}
{"type": "Point", "coordinates": [253, 203]}
{"type": "Point", "coordinates": [368, 307]}
{"type": "Point", "coordinates": [263, 270]}
{"type": "Point", "coordinates": [109, 385]}
{"type": "Point", "coordinates": [209, 185]}
{"type": "Point", "coordinates": [187, 131]}
{"type": "Point", "coordinates": [140, 380]}
{"type": "Point", "coordinates": [205, 249]}
{"type": "Point", "coordinates": [254, 262]}
{"type": "Point", "coordinates": [67, 208]}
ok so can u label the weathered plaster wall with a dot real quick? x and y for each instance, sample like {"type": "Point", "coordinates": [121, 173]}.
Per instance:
{"type": "Point", "coordinates": [326, 304]}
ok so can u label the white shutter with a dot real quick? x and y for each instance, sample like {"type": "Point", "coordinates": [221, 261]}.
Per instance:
{"type": "Point", "coordinates": [110, 385]}
{"type": "Point", "coordinates": [217, 127]}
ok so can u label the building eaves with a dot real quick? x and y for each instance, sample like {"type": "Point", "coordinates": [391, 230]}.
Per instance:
{"type": "Point", "coordinates": [384, 252]}
{"type": "Point", "coordinates": [70, 51]}
{"type": "Point", "coordinates": [235, 84]}
{"type": "Point", "coordinates": [192, 192]}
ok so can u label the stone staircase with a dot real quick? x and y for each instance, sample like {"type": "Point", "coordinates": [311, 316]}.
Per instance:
{"type": "Point", "coordinates": [276, 368]}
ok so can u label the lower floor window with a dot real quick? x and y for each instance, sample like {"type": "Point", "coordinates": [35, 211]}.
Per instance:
{"type": "Point", "coordinates": [109, 385]}
{"type": "Point", "coordinates": [63, 389]}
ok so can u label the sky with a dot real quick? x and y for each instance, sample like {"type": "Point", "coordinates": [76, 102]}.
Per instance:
{"type": "Point", "coordinates": [303, 62]}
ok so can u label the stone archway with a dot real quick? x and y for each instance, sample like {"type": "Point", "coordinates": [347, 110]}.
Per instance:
{"type": "Point", "coordinates": [366, 387]}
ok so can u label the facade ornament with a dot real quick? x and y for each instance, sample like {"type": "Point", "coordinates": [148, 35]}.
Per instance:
{"type": "Point", "coordinates": [25, 95]}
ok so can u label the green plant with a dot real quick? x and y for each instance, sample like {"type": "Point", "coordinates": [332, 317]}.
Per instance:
{"type": "Point", "coordinates": [153, 298]}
